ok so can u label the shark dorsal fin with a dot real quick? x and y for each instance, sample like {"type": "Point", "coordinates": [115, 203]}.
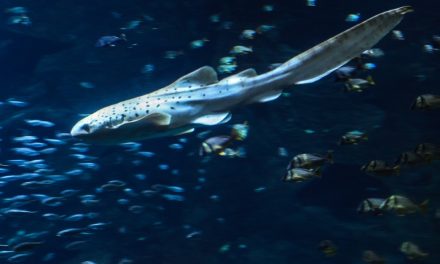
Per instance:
{"type": "Point", "coordinates": [205, 75]}
{"type": "Point", "coordinates": [238, 76]}
{"type": "Point", "coordinates": [246, 73]}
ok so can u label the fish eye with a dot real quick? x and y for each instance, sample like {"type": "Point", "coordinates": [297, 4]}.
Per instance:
{"type": "Point", "coordinates": [86, 128]}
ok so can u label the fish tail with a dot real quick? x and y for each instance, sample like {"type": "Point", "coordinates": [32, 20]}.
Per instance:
{"type": "Point", "coordinates": [396, 169]}
{"type": "Point", "coordinates": [201, 151]}
{"type": "Point", "coordinates": [236, 135]}
{"type": "Point", "coordinates": [330, 156]}
{"type": "Point", "coordinates": [424, 206]}
{"type": "Point", "coordinates": [370, 80]}
{"type": "Point", "coordinates": [240, 152]}
{"type": "Point", "coordinates": [205, 148]}
{"type": "Point", "coordinates": [286, 176]}
{"type": "Point", "coordinates": [413, 106]}
{"type": "Point", "coordinates": [317, 172]}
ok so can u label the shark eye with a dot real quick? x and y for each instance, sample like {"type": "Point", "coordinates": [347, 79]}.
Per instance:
{"type": "Point", "coordinates": [86, 128]}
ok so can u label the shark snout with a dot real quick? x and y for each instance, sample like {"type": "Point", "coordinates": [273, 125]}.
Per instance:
{"type": "Point", "coordinates": [80, 130]}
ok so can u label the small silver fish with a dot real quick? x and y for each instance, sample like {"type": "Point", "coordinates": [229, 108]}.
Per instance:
{"type": "Point", "coordinates": [17, 10]}
{"type": "Point", "coordinates": [228, 60]}
{"type": "Point", "coordinates": [344, 73]}
{"type": "Point", "coordinates": [240, 50]}
{"type": "Point", "coordinates": [402, 206]}
{"type": "Point", "coordinates": [410, 158]}
{"type": "Point", "coordinates": [310, 161]}
{"type": "Point", "coordinates": [172, 54]}
{"type": "Point", "coordinates": [353, 138]}
{"type": "Point", "coordinates": [375, 53]}
{"type": "Point", "coordinates": [215, 18]}
{"type": "Point", "coordinates": [26, 246]}
{"type": "Point", "coordinates": [370, 257]}
{"type": "Point", "coordinates": [39, 123]}
{"type": "Point", "coordinates": [300, 174]}
{"type": "Point", "coordinates": [264, 28]}
{"type": "Point", "coordinates": [358, 85]}
{"type": "Point", "coordinates": [413, 251]}
{"type": "Point", "coordinates": [233, 153]}
{"type": "Point", "coordinates": [428, 151]}
{"type": "Point", "coordinates": [19, 258]}
{"type": "Point", "coordinates": [110, 41]}
{"type": "Point", "coordinates": [426, 102]}
{"type": "Point", "coordinates": [198, 43]}
{"type": "Point", "coordinates": [248, 34]}
{"type": "Point", "coordinates": [75, 245]}
{"type": "Point", "coordinates": [17, 103]}
{"type": "Point", "coordinates": [226, 68]}
{"type": "Point", "coordinates": [371, 206]}
{"type": "Point", "coordinates": [71, 232]}
{"type": "Point", "coordinates": [20, 20]}
{"type": "Point", "coordinates": [132, 25]}
{"type": "Point", "coordinates": [380, 168]}
{"type": "Point", "coordinates": [397, 34]}
{"type": "Point", "coordinates": [328, 247]}
{"type": "Point", "coordinates": [26, 152]}
{"type": "Point", "coordinates": [19, 213]}
{"type": "Point", "coordinates": [353, 17]}
{"type": "Point", "coordinates": [268, 8]}
{"type": "Point", "coordinates": [215, 145]}
{"type": "Point", "coordinates": [240, 131]}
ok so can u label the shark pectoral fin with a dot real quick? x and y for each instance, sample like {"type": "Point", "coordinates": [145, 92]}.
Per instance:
{"type": "Point", "coordinates": [213, 119]}
{"type": "Point", "coordinates": [203, 76]}
{"type": "Point", "coordinates": [157, 119]}
{"type": "Point", "coordinates": [267, 97]}
{"type": "Point", "coordinates": [246, 73]}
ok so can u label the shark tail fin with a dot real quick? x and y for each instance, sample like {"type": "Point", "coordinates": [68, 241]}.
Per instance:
{"type": "Point", "coordinates": [329, 55]}
{"type": "Point", "coordinates": [424, 206]}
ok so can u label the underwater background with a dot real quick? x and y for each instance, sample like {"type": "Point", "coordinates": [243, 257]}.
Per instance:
{"type": "Point", "coordinates": [209, 209]}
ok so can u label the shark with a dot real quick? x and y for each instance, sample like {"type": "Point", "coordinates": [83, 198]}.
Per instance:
{"type": "Point", "coordinates": [200, 99]}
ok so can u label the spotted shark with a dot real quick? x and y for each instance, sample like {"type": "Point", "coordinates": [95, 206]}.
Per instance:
{"type": "Point", "coordinates": [200, 99]}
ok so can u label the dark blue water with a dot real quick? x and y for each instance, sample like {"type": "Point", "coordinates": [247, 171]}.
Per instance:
{"type": "Point", "coordinates": [239, 209]}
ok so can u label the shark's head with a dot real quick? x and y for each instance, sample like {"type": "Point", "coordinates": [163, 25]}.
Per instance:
{"type": "Point", "coordinates": [90, 128]}
{"type": "Point", "coordinates": [108, 127]}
